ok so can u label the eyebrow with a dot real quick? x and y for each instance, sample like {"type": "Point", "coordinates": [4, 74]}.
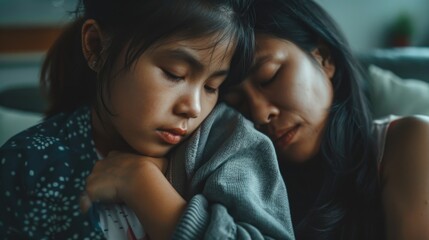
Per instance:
{"type": "Point", "coordinates": [182, 54]}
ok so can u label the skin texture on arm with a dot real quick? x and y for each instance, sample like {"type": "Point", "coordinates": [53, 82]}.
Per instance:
{"type": "Point", "coordinates": [139, 182]}
{"type": "Point", "coordinates": [234, 189]}
{"type": "Point", "coordinates": [172, 87]}
{"type": "Point", "coordinates": [405, 179]}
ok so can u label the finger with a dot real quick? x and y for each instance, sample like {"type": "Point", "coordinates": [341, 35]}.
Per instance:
{"type": "Point", "coordinates": [85, 202]}
{"type": "Point", "coordinates": [113, 153]}
{"type": "Point", "coordinates": [101, 189]}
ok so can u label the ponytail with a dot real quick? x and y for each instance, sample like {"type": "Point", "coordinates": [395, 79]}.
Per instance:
{"type": "Point", "coordinates": [66, 79]}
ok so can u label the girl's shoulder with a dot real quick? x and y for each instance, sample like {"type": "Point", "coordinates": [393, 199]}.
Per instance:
{"type": "Point", "coordinates": [56, 130]}
{"type": "Point", "coordinates": [57, 145]}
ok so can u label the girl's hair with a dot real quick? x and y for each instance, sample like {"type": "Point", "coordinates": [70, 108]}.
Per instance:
{"type": "Point", "coordinates": [348, 205]}
{"type": "Point", "coordinates": [133, 26]}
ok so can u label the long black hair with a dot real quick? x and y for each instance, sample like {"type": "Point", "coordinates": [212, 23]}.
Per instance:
{"type": "Point", "coordinates": [133, 26]}
{"type": "Point", "coordinates": [348, 203]}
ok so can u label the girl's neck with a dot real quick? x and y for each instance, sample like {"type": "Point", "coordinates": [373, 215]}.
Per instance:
{"type": "Point", "coordinates": [105, 139]}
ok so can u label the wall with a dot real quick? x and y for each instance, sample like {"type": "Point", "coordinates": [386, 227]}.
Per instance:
{"type": "Point", "coordinates": [32, 25]}
{"type": "Point", "coordinates": [364, 22]}
{"type": "Point", "coordinates": [24, 13]}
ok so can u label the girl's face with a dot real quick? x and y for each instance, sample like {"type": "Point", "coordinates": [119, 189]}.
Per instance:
{"type": "Point", "coordinates": [288, 95]}
{"type": "Point", "coordinates": [164, 97]}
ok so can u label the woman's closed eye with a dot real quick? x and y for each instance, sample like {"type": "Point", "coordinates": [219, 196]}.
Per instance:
{"type": "Point", "coordinates": [267, 81]}
{"type": "Point", "coordinates": [266, 74]}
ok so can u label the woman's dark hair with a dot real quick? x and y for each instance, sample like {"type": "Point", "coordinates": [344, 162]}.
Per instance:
{"type": "Point", "coordinates": [139, 24]}
{"type": "Point", "coordinates": [348, 205]}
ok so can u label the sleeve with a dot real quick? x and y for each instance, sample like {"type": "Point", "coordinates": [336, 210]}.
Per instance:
{"type": "Point", "coordinates": [236, 189]}
{"type": "Point", "coordinates": [23, 210]}
{"type": "Point", "coordinates": [38, 193]}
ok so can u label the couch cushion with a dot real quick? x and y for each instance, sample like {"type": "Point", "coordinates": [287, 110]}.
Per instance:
{"type": "Point", "coordinates": [20, 107]}
{"type": "Point", "coordinates": [390, 94]}
{"type": "Point", "coordinates": [24, 98]}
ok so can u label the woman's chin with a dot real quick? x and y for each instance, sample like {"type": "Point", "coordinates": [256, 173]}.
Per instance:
{"type": "Point", "coordinates": [291, 158]}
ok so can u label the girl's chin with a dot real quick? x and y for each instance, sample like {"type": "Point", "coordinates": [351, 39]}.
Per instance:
{"type": "Point", "coordinates": [155, 150]}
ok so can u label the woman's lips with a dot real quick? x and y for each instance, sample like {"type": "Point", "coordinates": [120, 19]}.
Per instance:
{"type": "Point", "coordinates": [171, 136]}
{"type": "Point", "coordinates": [286, 137]}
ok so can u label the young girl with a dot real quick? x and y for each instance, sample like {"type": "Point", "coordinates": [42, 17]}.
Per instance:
{"type": "Point", "coordinates": [139, 77]}
{"type": "Point", "coordinates": [347, 176]}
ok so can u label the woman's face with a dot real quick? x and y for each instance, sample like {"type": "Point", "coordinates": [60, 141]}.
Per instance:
{"type": "Point", "coordinates": [164, 97]}
{"type": "Point", "coordinates": [287, 95]}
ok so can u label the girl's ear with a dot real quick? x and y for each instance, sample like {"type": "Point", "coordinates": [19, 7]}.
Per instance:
{"type": "Point", "coordinates": [92, 43]}
{"type": "Point", "coordinates": [323, 56]}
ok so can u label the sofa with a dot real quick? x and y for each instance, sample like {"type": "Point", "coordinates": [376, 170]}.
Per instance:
{"type": "Point", "coordinates": [398, 80]}
{"type": "Point", "coordinates": [398, 83]}
{"type": "Point", "coordinates": [21, 104]}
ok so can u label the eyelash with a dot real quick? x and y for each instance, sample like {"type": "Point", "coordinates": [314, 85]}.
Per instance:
{"type": "Point", "coordinates": [210, 90]}
{"type": "Point", "coordinates": [172, 77]}
{"type": "Point", "coordinates": [175, 78]}
{"type": "Point", "coordinates": [269, 81]}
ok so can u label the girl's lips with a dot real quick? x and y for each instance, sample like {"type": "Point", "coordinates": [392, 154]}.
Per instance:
{"type": "Point", "coordinates": [286, 137]}
{"type": "Point", "coordinates": [171, 136]}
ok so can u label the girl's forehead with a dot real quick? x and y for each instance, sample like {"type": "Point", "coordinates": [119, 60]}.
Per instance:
{"type": "Point", "coordinates": [217, 47]}
{"type": "Point", "coordinates": [208, 41]}
{"type": "Point", "coordinates": [195, 52]}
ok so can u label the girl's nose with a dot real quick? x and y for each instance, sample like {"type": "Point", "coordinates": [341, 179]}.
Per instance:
{"type": "Point", "coordinates": [189, 105]}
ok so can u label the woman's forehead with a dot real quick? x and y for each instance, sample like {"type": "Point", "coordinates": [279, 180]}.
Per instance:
{"type": "Point", "coordinates": [271, 49]}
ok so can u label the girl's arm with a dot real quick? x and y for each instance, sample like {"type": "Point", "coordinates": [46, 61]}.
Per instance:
{"type": "Point", "coordinates": [233, 185]}
{"type": "Point", "coordinates": [139, 182]}
{"type": "Point", "coordinates": [405, 179]}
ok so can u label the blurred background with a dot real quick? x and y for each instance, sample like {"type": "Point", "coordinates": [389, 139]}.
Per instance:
{"type": "Point", "coordinates": [28, 28]}
{"type": "Point", "coordinates": [370, 24]}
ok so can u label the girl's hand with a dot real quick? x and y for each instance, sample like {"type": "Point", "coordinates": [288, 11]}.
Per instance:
{"type": "Point", "coordinates": [111, 178]}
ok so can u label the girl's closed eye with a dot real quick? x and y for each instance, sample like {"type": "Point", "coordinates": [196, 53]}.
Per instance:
{"type": "Point", "coordinates": [212, 85]}
{"type": "Point", "coordinates": [211, 89]}
{"type": "Point", "coordinates": [172, 76]}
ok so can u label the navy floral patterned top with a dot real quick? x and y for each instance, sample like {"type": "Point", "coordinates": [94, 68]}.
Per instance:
{"type": "Point", "coordinates": [231, 193]}
{"type": "Point", "coordinates": [43, 171]}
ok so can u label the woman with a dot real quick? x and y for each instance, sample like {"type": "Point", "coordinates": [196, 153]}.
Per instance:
{"type": "Point", "coordinates": [347, 177]}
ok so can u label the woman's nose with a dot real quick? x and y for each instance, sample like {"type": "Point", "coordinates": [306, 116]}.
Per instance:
{"type": "Point", "coordinates": [189, 105]}
{"type": "Point", "coordinates": [262, 111]}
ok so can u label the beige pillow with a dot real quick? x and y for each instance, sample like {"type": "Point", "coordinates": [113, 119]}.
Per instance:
{"type": "Point", "coordinates": [14, 121]}
{"type": "Point", "coordinates": [390, 94]}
